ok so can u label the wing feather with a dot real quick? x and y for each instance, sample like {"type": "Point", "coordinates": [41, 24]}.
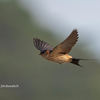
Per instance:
{"type": "Point", "coordinates": [67, 44]}
{"type": "Point", "coordinates": [41, 45]}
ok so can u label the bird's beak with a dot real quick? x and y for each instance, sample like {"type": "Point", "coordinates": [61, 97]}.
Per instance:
{"type": "Point", "coordinates": [40, 53]}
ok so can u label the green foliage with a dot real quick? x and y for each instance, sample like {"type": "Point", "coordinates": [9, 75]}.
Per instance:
{"type": "Point", "coordinates": [39, 79]}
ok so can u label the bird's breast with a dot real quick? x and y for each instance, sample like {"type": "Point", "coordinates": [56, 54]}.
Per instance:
{"type": "Point", "coordinates": [59, 58]}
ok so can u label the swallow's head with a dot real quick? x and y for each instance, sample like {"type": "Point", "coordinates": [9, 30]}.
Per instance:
{"type": "Point", "coordinates": [44, 53]}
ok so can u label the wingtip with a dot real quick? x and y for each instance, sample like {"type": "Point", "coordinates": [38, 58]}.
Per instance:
{"type": "Point", "coordinates": [34, 39]}
{"type": "Point", "coordinates": [75, 30]}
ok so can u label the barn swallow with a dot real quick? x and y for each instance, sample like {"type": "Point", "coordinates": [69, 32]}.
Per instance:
{"type": "Point", "coordinates": [59, 54]}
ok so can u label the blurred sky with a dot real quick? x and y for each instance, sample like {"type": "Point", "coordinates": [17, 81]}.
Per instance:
{"type": "Point", "coordinates": [63, 16]}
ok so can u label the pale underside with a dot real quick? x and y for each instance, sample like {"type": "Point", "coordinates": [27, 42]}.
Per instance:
{"type": "Point", "coordinates": [61, 58]}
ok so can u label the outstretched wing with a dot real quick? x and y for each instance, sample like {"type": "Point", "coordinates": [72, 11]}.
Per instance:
{"type": "Point", "coordinates": [67, 44]}
{"type": "Point", "coordinates": [41, 45]}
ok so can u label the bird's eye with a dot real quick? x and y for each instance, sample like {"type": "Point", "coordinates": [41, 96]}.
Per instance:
{"type": "Point", "coordinates": [42, 52]}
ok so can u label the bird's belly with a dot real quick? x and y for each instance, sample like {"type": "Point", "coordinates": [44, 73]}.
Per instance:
{"type": "Point", "coordinates": [60, 59]}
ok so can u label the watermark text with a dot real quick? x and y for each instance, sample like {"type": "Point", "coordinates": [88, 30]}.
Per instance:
{"type": "Point", "coordinates": [9, 86]}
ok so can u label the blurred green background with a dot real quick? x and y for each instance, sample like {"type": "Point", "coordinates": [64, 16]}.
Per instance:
{"type": "Point", "coordinates": [39, 79]}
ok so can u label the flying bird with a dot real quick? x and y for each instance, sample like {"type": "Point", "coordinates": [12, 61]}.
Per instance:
{"type": "Point", "coordinates": [59, 54]}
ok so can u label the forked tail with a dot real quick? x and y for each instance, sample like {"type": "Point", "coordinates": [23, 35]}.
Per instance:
{"type": "Point", "coordinates": [76, 61]}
